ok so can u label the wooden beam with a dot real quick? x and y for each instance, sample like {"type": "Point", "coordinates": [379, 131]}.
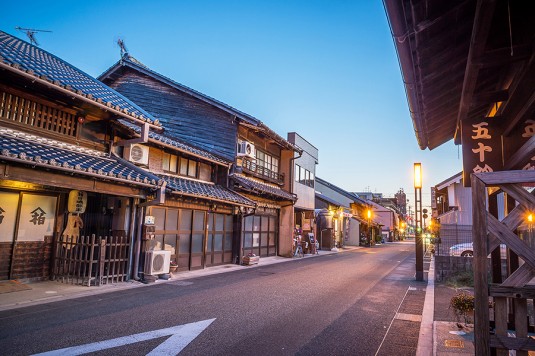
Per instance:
{"type": "Point", "coordinates": [520, 195]}
{"type": "Point", "coordinates": [490, 97]}
{"type": "Point", "coordinates": [519, 278]}
{"type": "Point", "coordinates": [512, 343]}
{"type": "Point", "coordinates": [512, 241]}
{"type": "Point", "coordinates": [522, 156]}
{"type": "Point", "coordinates": [480, 264]}
{"type": "Point", "coordinates": [522, 99]}
{"type": "Point", "coordinates": [480, 32]}
{"type": "Point", "coordinates": [498, 178]}
{"type": "Point", "coordinates": [502, 56]}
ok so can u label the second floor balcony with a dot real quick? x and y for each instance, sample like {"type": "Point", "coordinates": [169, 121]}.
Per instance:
{"type": "Point", "coordinates": [250, 167]}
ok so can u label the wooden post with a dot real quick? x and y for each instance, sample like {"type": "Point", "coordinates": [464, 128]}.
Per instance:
{"type": "Point", "coordinates": [101, 260]}
{"type": "Point", "coordinates": [479, 236]}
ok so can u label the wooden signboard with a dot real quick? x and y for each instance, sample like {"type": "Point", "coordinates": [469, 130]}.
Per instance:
{"type": "Point", "coordinates": [482, 147]}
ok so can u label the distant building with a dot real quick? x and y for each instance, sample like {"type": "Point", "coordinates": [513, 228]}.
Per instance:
{"type": "Point", "coordinates": [303, 184]}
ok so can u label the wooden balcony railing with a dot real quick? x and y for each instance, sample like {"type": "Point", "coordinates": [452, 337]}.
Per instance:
{"type": "Point", "coordinates": [251, 167]}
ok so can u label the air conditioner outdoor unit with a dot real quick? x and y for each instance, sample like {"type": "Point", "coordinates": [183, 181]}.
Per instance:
{"type": "Point", "coordinates": [157, 262]}
{"type": "Point", "coordinates": [138, 154]}
{"type": "Point", "coordinates": [246, 149]}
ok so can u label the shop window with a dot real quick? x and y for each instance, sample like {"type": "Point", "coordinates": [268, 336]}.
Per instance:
{"type": "Point", "coordinates": [218, 242]}
{"type": "Point", "coordinates": [198, 221]}
{"type": "Point", "coordinates": [185, 220]}
{"type": "Point", "coordinates": [196, 242]}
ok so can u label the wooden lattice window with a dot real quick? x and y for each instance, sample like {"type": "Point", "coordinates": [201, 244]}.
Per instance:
{"type": "Point", "coordinates": [28, 112]}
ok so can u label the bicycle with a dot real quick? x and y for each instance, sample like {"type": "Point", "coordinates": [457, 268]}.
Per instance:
{"type": "Point", "coordinates": [298, 249]}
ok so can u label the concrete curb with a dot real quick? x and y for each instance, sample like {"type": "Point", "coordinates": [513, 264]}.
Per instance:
{"type": "Point", "coordinates": [426, 338]}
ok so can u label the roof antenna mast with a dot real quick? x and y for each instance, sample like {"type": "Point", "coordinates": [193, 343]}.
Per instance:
{"type": "Point", "coordinates": [30, 32]}
{"type": "Point", "coordinates": [120, 43]}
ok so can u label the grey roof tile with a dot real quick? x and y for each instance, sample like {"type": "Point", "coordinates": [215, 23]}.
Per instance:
{"type": "Point", "coordinates": [261, 187]}
{"type": "Point", "coordinates": [205, 190]}
{"type": "Point", "coordinates": [40, 63]}
{"type": "Point", "coordinates": [38, 151]}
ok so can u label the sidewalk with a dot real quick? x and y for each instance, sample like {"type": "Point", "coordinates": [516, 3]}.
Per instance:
{"type": "Point", "coordinates": [29, 294]}
{"type": "Point", "coordinates": [440, 333]}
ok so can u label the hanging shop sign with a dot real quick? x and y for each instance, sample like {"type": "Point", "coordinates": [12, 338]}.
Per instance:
{"type": "Point", "coordinates": [77, 202]}
{"type": "Point", "coordinates": [37, 217]}
{"type": "Point", "coordinates": [482, 147]}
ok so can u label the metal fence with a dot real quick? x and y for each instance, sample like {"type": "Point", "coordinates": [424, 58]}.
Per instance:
{"type": "Point", "coordinates": [91, 260]}
{"type": "Point", "coordinates": [451, 235]}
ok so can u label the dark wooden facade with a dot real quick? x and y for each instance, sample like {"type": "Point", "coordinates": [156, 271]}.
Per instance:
{"type": "Point", "coordinates": [184, 116]}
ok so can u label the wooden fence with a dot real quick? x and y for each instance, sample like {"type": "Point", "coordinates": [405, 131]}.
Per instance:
{"type": "Point", "coordinates": [510, 295]}
{"type": "Point", "coordinates": [89, 260]}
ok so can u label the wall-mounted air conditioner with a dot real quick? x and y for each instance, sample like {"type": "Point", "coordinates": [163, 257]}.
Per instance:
{"type": "Point", "coordinates": [157, 262]}
{"type": "Point", "coordinates": [137, 154]}
{"type": "Point", "coordinates": [246, 149]}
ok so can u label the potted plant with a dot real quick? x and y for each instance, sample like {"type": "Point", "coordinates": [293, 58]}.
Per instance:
{"type": "Point", "coordinates": [173, 266]}
{"type": "Point", "coordinates": [463, 306]}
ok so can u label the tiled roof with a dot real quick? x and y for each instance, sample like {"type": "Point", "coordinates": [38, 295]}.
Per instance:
{"type": "Point", "coordinates": [134, 63]}
{"type": "Point", "coordinates": [180, 146]}
{"type": "Point", "coordinates": [37, 151]}
{"type": "Point", "coordinates": [261, 187]}
{"type": "Point", "coordinates": [24, 57]}
{"type": "Point", "coordinates": [328, 200]}
{"type": "Point", "coordinates": [205, 190]}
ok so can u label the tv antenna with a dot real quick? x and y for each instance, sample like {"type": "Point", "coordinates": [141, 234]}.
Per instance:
{"type": "Point", "coordinates": [30, 32]}
{"type": "Point", "coordinates": [122, 46]}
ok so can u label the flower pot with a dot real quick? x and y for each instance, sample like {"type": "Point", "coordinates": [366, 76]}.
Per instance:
{"type": "Point", "coordinates": [173, 269]}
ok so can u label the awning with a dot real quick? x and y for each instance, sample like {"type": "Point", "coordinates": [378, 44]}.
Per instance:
{"type": "Point", "coordinates": [258, 187]}
{"type": "Point", "coordinates": [20, 147]}
{"type": "Point", "coordinates": [205, 190]}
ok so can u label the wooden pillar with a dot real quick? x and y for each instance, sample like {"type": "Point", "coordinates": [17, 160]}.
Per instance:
{"type": "Point", "coordinates": [479, 235]}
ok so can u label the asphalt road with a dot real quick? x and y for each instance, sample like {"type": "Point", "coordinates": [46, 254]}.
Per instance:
{"type": "Point", "coordinates": [339, 304]}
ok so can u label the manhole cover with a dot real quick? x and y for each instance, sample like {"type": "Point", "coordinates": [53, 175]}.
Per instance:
{"type": "Point", "coordinates": [459, 344]}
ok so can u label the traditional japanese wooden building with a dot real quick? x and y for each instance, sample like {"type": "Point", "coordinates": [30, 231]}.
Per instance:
{"type": "Point", "coordinates": [261, 159]}
{"type": "Point", "coordinates": [468, 68]}
{"type": "Point", "coordinates": [197, 221]}
{"type": "Point", "coordinates": [59, 176]}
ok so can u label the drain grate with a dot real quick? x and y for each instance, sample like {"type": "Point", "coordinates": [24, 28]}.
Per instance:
{"type": "Point", "coordinates": [458, 344]}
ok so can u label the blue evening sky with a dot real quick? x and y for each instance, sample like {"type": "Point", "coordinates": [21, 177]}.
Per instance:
{"type": "Point", "coordinates": [327, 70]}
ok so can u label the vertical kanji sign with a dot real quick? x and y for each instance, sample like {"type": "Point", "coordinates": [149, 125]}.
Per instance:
{"type": "Point", "coordinates": [482, 147]}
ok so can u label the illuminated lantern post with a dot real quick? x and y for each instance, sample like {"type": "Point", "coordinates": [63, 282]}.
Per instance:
{"type": "Point", "coordinates": [418, 220]}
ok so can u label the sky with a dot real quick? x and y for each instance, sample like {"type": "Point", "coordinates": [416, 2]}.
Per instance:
{"type": "Point", "coordinates": [327, 70]}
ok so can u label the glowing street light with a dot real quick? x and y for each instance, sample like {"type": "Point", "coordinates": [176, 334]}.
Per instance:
{"type": "Point", "coordinates": [418, 219]}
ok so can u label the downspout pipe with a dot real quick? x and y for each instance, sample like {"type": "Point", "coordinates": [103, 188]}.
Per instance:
{"type": "Point", "coordinates": [137, 247]}
{"type": "Point", "coordinates": [132, 228]}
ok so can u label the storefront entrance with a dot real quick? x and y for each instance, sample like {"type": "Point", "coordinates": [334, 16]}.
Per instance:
{"type": "Point", "coordinates": [260, 235]}
{"type": "Point", "coordinates": [184, 233]}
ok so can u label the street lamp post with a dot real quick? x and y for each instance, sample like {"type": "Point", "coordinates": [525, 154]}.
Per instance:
{"type": "Point", "coordinates": [369, 227]}
{"type": "Point", "coordinates": [418, 220]}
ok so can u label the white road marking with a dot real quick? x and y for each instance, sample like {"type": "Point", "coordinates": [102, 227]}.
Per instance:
{"type": "Point", "coordinates": [180, 337]}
